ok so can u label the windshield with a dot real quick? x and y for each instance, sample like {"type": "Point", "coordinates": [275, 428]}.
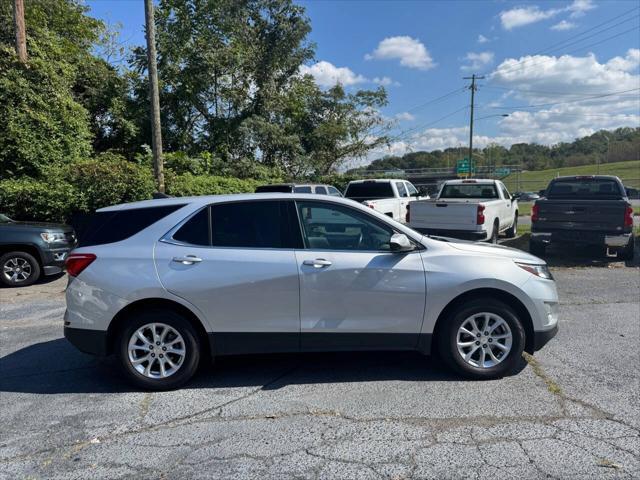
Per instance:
{"type": "Point", "coordinates": [369, 191]}
{"type": "Point", "coordinates": [5, 219]}
{"type": "Point", "coordinates": [469, 190]}
{"type": "Point", "coordinates": [584, 188]}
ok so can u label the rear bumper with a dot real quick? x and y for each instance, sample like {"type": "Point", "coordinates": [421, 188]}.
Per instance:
{"type": "Point", "coordinates": [613, 240]}
{"type": "Point", "coordinates": [461, 234]}
{"type": "Point", "coordinates": [93, 342]}
{"type": "Point", "coordinates": [541, 338]}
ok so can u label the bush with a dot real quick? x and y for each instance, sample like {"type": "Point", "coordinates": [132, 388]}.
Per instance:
{"type": "Point", "coordinates": [28, 199]}
{"type": "Point", "coordinates": [191, 185]}
{"type": "Point", "coordinates": [108, 180]}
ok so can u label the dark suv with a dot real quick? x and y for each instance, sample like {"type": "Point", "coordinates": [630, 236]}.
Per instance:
{"type": "Point", "coordinates": [31, 249]}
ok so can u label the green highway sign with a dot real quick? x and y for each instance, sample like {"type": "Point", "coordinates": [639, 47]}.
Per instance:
{"type": "Point", "coordinates": [464, 166]}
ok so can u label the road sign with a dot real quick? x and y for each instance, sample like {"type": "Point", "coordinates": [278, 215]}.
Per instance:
{"type": "Point", "coordinates": [502, 171]}
{"type": "Point", "coordinates": [465, 167]}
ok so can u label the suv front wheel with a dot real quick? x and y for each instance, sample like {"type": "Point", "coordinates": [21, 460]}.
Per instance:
{"type": "Point", "coordinates": [158, 350]}
{"type": "Point", "coordinates": [483, 339]}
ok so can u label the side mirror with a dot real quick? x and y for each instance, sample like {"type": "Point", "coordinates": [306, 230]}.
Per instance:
{"type": "Point", "coordinates": [400, 243]}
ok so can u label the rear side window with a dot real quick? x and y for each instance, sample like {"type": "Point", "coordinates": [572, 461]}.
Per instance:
{"type": "Point", "coordinates": [303, 189]}
{"type": "Point", "coordinates": [321, 190]}
{"type": "Point", "coordinates": [118, 225]}
{"type": "Point", "coordinates": [196, 230]}
{"type": "Point", "coordinates": [274, 188]}
{"type": "Point", "coordinates": [261, 224]}
{"type": "Point", "coordinates": [584, 188]}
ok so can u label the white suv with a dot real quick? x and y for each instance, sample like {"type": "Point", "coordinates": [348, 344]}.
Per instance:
{"type": "Point", "coordinates": [163, 283]}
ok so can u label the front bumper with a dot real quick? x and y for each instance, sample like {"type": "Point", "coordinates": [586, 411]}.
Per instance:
{"type": "Point", "coordinates": [541, 338]}
{"type": "Point", "coordinates": [53, 259]}
{"type": "Point", "coordinates": [93, 342]}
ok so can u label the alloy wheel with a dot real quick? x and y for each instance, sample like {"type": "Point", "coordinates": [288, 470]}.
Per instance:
{"type": "Point", "coordinates": [484, 340]}
{"type": "Point", "coordinates": [156, 350]}
{"type": "Point", "coordinates": [17, 269]}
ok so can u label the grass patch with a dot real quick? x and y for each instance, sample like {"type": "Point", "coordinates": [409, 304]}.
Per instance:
{"type": "Point", "coordinates": [533, 181]}
{"type": "Point", "coordinates": [524, 208]}
{"type": "Point", "coordinates": [552, 386]}
{"type": "Point", "coordinates": [522, 229]}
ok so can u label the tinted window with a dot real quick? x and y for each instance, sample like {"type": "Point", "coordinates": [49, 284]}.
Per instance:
{"type": "Point", "coordinates": [412, 189]}
{"type": "Point", "coordinates": [333, 191]}
{"type": "Point", "coordinates": [369, 191]}
{"type": "Point", "coordinates": [334, 227]}
{"type": "Point", "coordinates": [584, 188]}
{"type": "Point", "coordinates": [469, 190]}
{"type": "Point", "coordinates": [196, 230]}
{"type": "Point", "coordinates": [321, 190]}
{"type": "Point", "coordinates": [261, 224]}
{"type": "Point", "coordinates": [304, 189]}
{"type": "Point", "coordinates": [115, 226]}
{"type": "Point", "coordinates": [274, 188]}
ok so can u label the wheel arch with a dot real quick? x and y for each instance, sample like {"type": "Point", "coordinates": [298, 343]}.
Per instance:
{"type": "Point", "coordinates": [494, 293]}
{"type": "Point", "coordinates": [22, 247]}
{"type": "Point", "coordinates": [156, 303]}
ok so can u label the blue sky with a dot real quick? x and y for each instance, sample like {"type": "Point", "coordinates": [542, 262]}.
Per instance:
{"type": "Point", "coordinates": [420, 50]}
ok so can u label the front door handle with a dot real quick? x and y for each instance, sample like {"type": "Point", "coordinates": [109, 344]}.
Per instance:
{"type": "Point", "coordinates": [187, 260]}
{"type": "Point", "coordinates": [317, 263]}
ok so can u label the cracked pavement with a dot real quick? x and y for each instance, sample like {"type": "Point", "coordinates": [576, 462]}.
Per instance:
{"type": "Point", "coordinates": [571, 413]}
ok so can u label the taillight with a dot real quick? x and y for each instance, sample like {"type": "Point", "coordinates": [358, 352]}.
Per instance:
{"type": "Point", "coordinates": [408, 216]}
{"type": "Point", "coordinates": [480, 215]}
{"type": "Point", "coordinates": [628, 217]}
{"type": "Point", "coordinates": [534, 212]}
{"type": "Point", "coordinates": [77, 262]}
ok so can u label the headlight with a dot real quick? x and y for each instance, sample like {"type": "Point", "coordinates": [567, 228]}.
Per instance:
{"type": "Point", "coordinates": [53, 237]}
{"type": "Point", "coordinates": [541, 271]}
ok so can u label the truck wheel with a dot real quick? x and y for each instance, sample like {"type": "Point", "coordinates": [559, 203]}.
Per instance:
{"type": "Point", "coordinates": [495, 232]}
{"type": "Point", "coordinates": [628, 251]}
{"type": "Point", "coordinates": [158, 350]}
{"type": "Point", "coordinates": [513, 231]}
{"type": "Point", "coordinates": [19, 269]}
{"type": "Point", "coordinates": [483, 339]}
{"type": "Point", "coordinates": [536, 248]}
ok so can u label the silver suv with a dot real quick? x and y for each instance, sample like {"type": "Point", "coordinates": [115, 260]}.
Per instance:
{"type": "Point", "coordinates": [163, 283]}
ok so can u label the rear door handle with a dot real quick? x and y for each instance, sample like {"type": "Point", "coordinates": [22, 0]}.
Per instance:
{"type": "Point", "coordinates": [187, 260]}
{"type": "Point", "coordinates": [317, 263]}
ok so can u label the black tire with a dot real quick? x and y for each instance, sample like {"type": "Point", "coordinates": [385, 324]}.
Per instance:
{"type": "Point", "coordinates": [513, 231]}
{"type": "Point", "coordinates": [15, 260]}
{"type": "Point", "coordinates": [447, 341]}
{"type": "Point", "coordinates": [495, 233]}
{"type": "Point", "coordinates": [627, 253]}
{"type": "Point", "coordinates": [538, 249]}
{"type": "Point", "coordinates": [191, 346]}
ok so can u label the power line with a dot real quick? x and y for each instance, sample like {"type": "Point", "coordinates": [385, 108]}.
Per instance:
{"type": "Point", "coordinates": [544, 92]}
{"type": "Point", "coordinates": [568, 101]}
{"type": "Point", "coordinates": [402, 135]}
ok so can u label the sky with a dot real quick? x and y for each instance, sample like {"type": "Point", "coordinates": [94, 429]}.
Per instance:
{"type": "Point", "coordinates": [554, 70]}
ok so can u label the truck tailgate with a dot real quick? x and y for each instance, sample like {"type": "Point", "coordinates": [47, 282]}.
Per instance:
{"type": "Point", "coordinates": [585, 215]}
{"type": "Point", "coordinates": [441, 215]}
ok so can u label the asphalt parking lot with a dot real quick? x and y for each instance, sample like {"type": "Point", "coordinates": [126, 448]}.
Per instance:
{"type": "Point", "coordinates": [571, 413]}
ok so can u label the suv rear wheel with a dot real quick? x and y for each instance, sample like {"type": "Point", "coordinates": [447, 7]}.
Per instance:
{"type": "Point", "coordinates": [19, 269]}
{"type": "Point", "coordinates": [483, 339]}
{"type": "Point", "coordinates": [158, 350]}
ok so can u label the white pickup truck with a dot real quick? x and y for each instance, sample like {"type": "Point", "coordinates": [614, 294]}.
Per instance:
{"type": "Point", "coordinates": [388, 196]}
{"type": "Point", "coordinates": [468, 209]}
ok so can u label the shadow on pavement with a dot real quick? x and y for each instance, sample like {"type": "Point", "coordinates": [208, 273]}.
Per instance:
{"type": "Point", "coordinates": [576, 256]}
{"type": "Point", "coordinates": [55, 367]}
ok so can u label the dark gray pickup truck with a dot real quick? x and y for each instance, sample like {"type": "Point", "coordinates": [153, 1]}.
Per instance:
{"type": "Point", "coordinates": [31, 249]}
{"type": "Point", "coordinates": [584, 210]}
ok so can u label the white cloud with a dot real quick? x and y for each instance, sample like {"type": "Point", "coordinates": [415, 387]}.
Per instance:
{"type": "Point", "coordinates": [327, 75]}
{"type": "Point", "coordinates": [477, 60]}
{"type": "Point", "coordinates": [626, 64]}
{"type": "Point", "coordinates": [563, 25]}
{"type": "Point", "coordinates": [384, 81]}
{"type": "Point", "coordinates": [483, 39]}
{"type": "Point", "coordinates": [410, 51]}
{"type": "Point", "coordinates": [579, 7]}
{"type": "Point", "coordinates": [521, 16]}
{"type": "Point", "coordinates": [405, 116]}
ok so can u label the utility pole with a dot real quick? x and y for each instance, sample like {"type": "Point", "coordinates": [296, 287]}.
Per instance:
{"type": "Point", "coordinates": [21, 32]}
{"type": "Point", "coordinates": [154, 96]}
{"type": "Point", "coordinates": [473, 89]}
